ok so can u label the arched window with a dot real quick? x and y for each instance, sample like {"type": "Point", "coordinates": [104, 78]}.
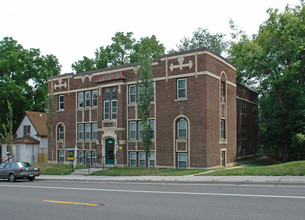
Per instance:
{"type": "Point", "coordinates": [60, 131]}
{"type": "Point", "coordinates": [182, 129]}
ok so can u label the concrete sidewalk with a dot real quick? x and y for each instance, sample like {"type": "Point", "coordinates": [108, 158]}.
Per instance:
{"type": "Point", "coordinates": [180, 179]}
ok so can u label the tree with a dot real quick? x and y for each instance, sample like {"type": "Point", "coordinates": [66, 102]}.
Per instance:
{"type": "Point", "coordinates": [203, 38]}
{"type": "Point", "coordinates": [275, 59]}
{"type": "Point", "coordinates": [8, 129]}
{"type": "Point", "coordinates": [145, 93]}
{"type": "Point", "coordinates": [123, 50]}
{"type": "Point", "coordinates": [149, 47]}
{"type": "Point", "coordinates": [23, 77]}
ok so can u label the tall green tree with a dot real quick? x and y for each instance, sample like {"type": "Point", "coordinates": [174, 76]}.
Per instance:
{"type": "Point", "coordinates": [23, 77]}
{"type": "Point", "coordinates": [203, 38]}
{"type": "Point", "coordinates": [148, 47]}
{"type": "Point", "coordinates": [145, 89]}
{"type": "Point", "coordinates": [123, 50]}
{"type": "Point", "coordinates": [7, 137]}
{"type": "Point", "coordinates": [275, 59]}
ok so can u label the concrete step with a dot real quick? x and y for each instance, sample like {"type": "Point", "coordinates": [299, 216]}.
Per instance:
{"type": "Point", "coordinates": [87, 171]}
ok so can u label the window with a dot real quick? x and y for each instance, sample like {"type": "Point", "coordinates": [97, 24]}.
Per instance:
{"type": "Point", "coordinates": [80, 132]}
{"type": "Point", "coordinates": [80, 100]}
{"type": "Point", "coordinates": [152, 159]}
{"type": "Point", "coordinates": [243, 107]}
{"type": "Point", "coordinates": [133, 159]}
{"type": "Point", "coordinates": [132, 94]}
{"type": "Point", "coordinates": [61, 156]}
{"type": "Point", "coordinates": [110, 103]}
{"type": "Point", "coordinates": [94, 98]}
{"type": "Point", "coordinates": [60, 132]}
{"type": "Point", "coordinates": [223, 94]}
{"type": "Point", "coordinates": [152, 128]}
{"type": "Point", "coordinates": [223, 129]}
{"type": "Point", "coordinates": [87, 99]}
{"type": "Point", "coordinates": [244, 131]}
{"type": "Point", "coordinates": [182, 160]}
{"type": "Point", "coordinates": [142, 159]}
{"type": "Point", "coordinates": [94, 131]}
{"type": "Point", "coordinates": [181, 89]}
{"type": "Point", "coordinates": [88, 131]}
{"type": "Point", "coordinates": [132, 130]}
{"type": "Point", "coordinates": [81, 157]}
{"type": "Point", "coordinates": [140, 129]}
{"type": "Point", "coordinates": [106, 110]}
{"type": "Point", "coordinates": [60, 102]}
{"type": "Point", "coordinates": [26, 130]}
{"type": "Point", "coordinates": [182, 129]}
{"type": "Point", "coordinates": [94, 157]}
{"type": "Point", "coordinates": [88, 157]}
{"type": "Point", "coordinates": [114, 109]}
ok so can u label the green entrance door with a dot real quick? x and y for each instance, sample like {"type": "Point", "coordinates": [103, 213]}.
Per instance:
{"type": "Point", "coordinates": [109, 151]}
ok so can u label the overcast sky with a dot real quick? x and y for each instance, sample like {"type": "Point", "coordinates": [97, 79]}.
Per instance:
{"type": "Point", "coordinates": [73, 29]}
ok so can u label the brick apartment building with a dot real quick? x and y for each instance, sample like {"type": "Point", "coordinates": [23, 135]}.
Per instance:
{"type": "Point", "coordinates": [195, 114]}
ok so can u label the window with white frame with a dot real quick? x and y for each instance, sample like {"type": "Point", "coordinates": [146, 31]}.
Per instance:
{"type": "Point", "coordinates": [133, 159]}
{"type": "Point", "coordinates": [140, 129]}
{"type": "Point", "coordinates": [26, 130]}
{"type": "Point", "coordinates": [61, 156]}
{"type": "Point", "coordinates": [88, 157]}
{"type": "Point", "coordinates": [88, 131]}
{"type": "Point", "coordinates": [80, 100]}
{"type": "Point", "coordinates": [223, 129]}
{"type": "Point", "coordinates": [60, 102]}
{"type": "Point", "coordinates": [94, 131]}
{"type": "Point", "coordinates": [152, 159]}
{"type": "Point", "coordinates": [80, 131]}
{"type": "Point", "coordinates": [110, 103]}
{"type": "Point", "coordinates": [181, 88]}
{"type": "Point", "coordinates": [106, 110]}
{"type": "Point", "coordinates": [81, 157]}
{"type": "Point", "coordinates": [182, 160]}
{"type": "Point", "coordinates": [142, 159]}
{"type": "Point", "coordinates": [152, 128]}
{"type": "Point", "coordinates": [182, 129]}
{"type": "Point", "coordinates": [132, 94]}
{"type": "Point", "coordinates": [88, 99]}
{"type": "Point", "coordinates": [60, 132]}
{"type": "Point", "coordinates": [94, 98]}
{"type": "Point", "coordinates": [132, 130]}
{"type": "Point", "coordinates": [114, 109]}
{"type": "Point", "coordinates": [94, 157]}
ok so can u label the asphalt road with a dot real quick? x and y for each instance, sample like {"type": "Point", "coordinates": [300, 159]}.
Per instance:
{"type": "Point", "coordinates": [114, 200]}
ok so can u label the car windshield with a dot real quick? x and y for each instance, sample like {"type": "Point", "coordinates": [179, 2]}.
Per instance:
{"type": "Point", "coordinates": [2, 165]}
{"type": "Point", "coordinates": [23, 164]}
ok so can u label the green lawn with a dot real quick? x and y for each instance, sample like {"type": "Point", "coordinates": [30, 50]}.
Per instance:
{"type": "Point", "coordinates": [56, 169]}
{"type": "Point", "coordinates": [254, 168]}
{"type": "Point", "coordinates": [296, 168]}
{"type": "Point", "coordinates": [146, 172]}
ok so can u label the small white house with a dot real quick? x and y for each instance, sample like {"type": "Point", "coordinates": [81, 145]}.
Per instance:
{"type": "Point", "coordinates": [30, 142]}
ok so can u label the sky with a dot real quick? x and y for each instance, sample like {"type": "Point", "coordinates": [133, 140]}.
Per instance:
{"type": "Point", "coordinates": [71, 29]}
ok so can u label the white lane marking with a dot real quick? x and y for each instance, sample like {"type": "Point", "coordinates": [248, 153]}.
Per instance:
{"type": "Point", "coordinates": [156, 192]}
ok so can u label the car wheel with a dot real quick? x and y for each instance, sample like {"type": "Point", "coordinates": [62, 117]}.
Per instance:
{"type": "Point", "coordinates": [31, 178]}
{"type": "Point", "coordinates": [12, 178]}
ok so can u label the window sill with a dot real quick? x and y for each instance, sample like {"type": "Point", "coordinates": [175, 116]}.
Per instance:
{"type": "Point", "coordinates": [223, 141]}
{"type": "Point", "coordinates": [181, 99]}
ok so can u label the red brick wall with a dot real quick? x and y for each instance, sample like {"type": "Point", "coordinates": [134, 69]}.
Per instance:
{"type": "Point", "coordinates": [202, 109]}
